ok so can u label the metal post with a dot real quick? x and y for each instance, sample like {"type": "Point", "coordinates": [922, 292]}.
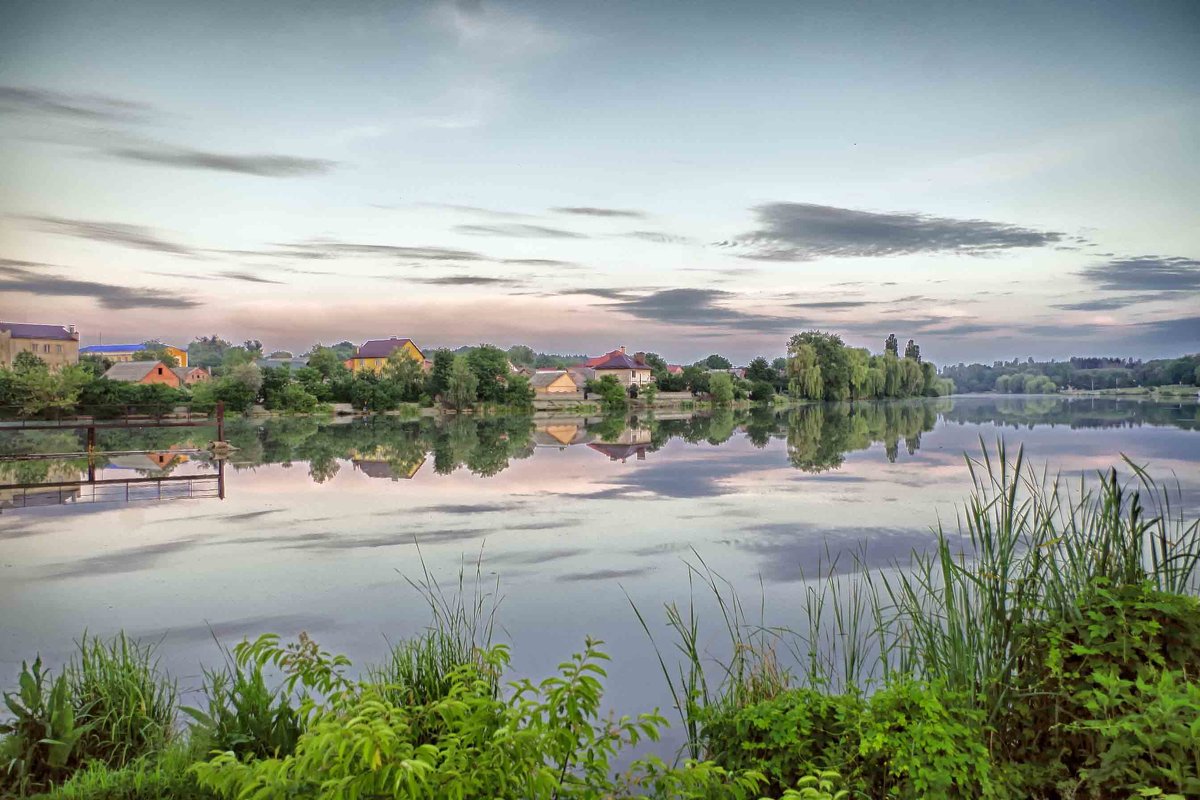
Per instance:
{"type": "Point", "coordinates": [220, 420]}
{"type": "Point", "coordinates": [221, 478]}
{"type": "Point", "coordinates": [91, 439]}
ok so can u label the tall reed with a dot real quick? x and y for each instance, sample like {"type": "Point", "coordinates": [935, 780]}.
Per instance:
{"type": "Point", "coordinates": [1026, 548]}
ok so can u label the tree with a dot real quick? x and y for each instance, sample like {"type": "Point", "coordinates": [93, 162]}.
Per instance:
{"type": "Point", "coordinates": [891, 345]}
{"type": "Point", "coordinates": [612, 393]}
{"type": "Point", "coordinates": [439, 377]}
{"type": "Point", "coordinates": [716, 362]}
{"type": "Point", "coordinates": [912, 350]}
{"type": "Point", "coordinates": [326, 362]}
{"type": "Point", "coordinates": [649, 393]}
{"type": "Point", "coordinates": [207, 351]}
{"type": "Point", "coordinates": [522, 355]}
{"type": "Point", "coordinates": [804, 372]}
{"type": "Point", "coordinates": [406, 375]}
{"type": "Point", "coordinates": [696, 379]}
{"type": "Point", "coordinates": [156, 351]}
{"type": "Point", "coordinates": [760, 370]}
{"type": "Point", "coordinates": [762, 392]}
{"type": "Point", "coordinates": [833, 361]}
{"type": "Point", "coordinates": [462, 384]}
{"type": "Point", "coordinates": [490, 365]}
{"type": "Point", "coordinates": [519, 393]}
{"type": "Point", "coordinates": [720, 387]}
{"type": "Point", "coordinates": [39, 390]}
{"type": "Point", "coordinates": [281, 354]}
{"type": "Point", "coordinates": [779, 365]}
{"type": "Point", "coordinates": [26, 361]}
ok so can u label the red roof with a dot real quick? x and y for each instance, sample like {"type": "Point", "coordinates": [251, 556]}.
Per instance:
{"type": "Point", "coordinates": [591, 362]}
{"type": "Point", "coordinates": [381, 348]}
{"type": "Point", "coordinates": [32, 330]}
{"type": "Point", "coordinates": [675, 369]}
{"type": "Point", "coordinates": [618, 360]}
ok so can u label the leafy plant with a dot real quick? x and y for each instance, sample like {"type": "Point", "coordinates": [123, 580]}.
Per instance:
{"type": "Point", "coordinates": [41, 743]}
{"type": "Point", "coordinates": [164, 775]}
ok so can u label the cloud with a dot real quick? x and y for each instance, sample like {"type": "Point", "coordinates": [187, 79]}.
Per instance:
{"type": "Point", "coordinates": [541, 262]}
{"type": "Point", "coordinates": [701, 308]}
{"type": "Point", "coordinates": [263, 166]}
{"type": "Point", "coordinates": [1112, 303]}
{"type": "Point", "coordinates": [478, 210]}
{"type": "Point", "coordinates": [590, 211]}
{"type": "Point", "coordinates": [466, 280]}
{"type": "Point", "coordinates": [22, 279]}
{"type": "Point", "coordinates": [517, 230]}
{"type": "Point", "coordinates": [85, 107]}
{"type": "Point", "coordinates": [1142, 273]}
{"type": "Point", "coordinates": [137, 237]}
{"type": "Point", "coordinates": [331, 249]}
{"type": "Point", "coordinates": [496, 32]}
{"type": "Point", "coordinates": [657, 237]}
{"type": "Point", "coordinates": [804, 231]}
{"type": "Point", "coordinates": [249, 277]}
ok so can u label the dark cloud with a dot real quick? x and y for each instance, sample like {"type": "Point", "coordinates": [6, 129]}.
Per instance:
{"type": "Point", "coordinates": [83, 107]}
{"type": "Point", "coordinates": [137, 237]}
{"type": "Point", "coordinates": [519, 231]}
{"type": "Point", "coordinates": [22, 279]}
{"type": "Point", "coordinates": [249, 277]}
{"type": "Point", "coordinates": [589, 211]}
{"type": "Point", "coordinates": [697, 308]}
{"type": "Point", "coordinates": [465, 280]}
{"type": "Point", "coordinates": [263, 166]}
{"type": "Point", "coordinates": [1146, 273]}
{"type": "Point", "coordinates": [804, 231]}
{"type": "Point", "coordinates": [540, 262]}
{"type": "Point", "coordinates": [483, 212]}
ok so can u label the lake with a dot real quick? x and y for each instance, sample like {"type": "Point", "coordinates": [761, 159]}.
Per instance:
{"type": "Point", "coordinates": [321, 521]}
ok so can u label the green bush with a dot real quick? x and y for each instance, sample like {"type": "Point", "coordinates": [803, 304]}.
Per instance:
{"type": "Point", "coordinates": [126, 705]}
{"type": "Point", "coordinates": [243, 715]}
{"type": "Point", "coordinates": [166, 776]}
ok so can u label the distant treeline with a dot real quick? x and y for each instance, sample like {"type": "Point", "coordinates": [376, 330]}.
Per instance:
{"type": "Point", "coordinates": [1045, 377]}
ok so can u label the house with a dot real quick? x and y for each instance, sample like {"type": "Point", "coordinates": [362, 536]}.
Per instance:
{"type": "Point", "coordinates": [144, 372]}
{"type": "Point", "coordinates": [620, 452]}
{"type": "Point", "coordinates": [555, 381]}
{"type": "Point", "coordinates": [625, 368]}
{"type": "Point", "coordinates": [191, 375]}
{"type": "Point", "coordinates": [374, 354]}
{"type": "Point", "coordinates": [58, 346]}
{"type": "Point", "coordinates": [118, 353]}
{"type": "Point", "coordinates": [675, 369]}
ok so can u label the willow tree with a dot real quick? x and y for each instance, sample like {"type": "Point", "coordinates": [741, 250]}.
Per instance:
{"type": "Point", "coordinates": [804, 372]}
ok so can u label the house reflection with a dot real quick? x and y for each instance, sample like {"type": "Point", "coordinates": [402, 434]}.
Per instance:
{"type": "Point", "coordinates": [561, 434]}
{"type": "Point", "coordinates": [383, 463]}
{"type": "Point", "coordinates": [620, 452]}
{"type": "Point", "coordinates": [152, 463]}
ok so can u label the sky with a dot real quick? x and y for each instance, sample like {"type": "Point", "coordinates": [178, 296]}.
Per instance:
{"type": "Point", "coordinates": [994, 181]}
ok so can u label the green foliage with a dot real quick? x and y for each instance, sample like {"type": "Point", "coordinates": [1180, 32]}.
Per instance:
{"type": "Point", "coordinates": [164, 775]}
{"type": "Point", "coordinates": [207, 351]}
{"type": "Point", "coordinates": [125, 702]}
{"type": "Point", "coordinates": [519, 393]}
{"type": "Point", "coordinates": [156, 351]}
{"type": "Point", "coordinates": [720, 387]}
{"type": "Point", "coordinates": [715, 362]}
{"type": "Point", "coordinates": [41, 741]}
{"type": "Point", "coordinates": [762, 392]}
{"type": "Point", "coordinates": [490, 367]}
{"type": "Point", "coordinates": [612, 393]}
{"type": "Point", "coordinates": [243, 715]}
{"type": "Point", "coordinates": [649, 393]}
{"type": "Point", "coordinates": [438, 382]}
{"type": "Point", "coordinates": [461, 385]}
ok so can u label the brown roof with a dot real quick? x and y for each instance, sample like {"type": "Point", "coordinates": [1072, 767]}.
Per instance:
{"type": "Point", "coordinates": [618, 360]}
{"type": "Point", "coordinates": [131, 370]}
{"type": "Point", "coordinates": [381, 348]}
{"type": "Point", "coordinates": [33, 330]}
{"type": "Point", "coordinates": [547, 378]}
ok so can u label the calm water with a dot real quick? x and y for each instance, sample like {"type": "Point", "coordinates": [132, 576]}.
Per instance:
{"type": "Point", "coordinates": [320, 522]}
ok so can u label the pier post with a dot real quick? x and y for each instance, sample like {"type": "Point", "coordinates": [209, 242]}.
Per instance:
{"type": "Point", "coordinates": [220, 420]}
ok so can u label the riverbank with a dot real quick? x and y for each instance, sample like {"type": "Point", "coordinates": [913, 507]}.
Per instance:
{"type": "Point", "coordinates": [969, 686]}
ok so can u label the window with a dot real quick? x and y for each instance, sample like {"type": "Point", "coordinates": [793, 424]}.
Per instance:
{"type": "Point", "coordinates": [160, 370]}
{"type": "Point", "coordinates": [58, 348]}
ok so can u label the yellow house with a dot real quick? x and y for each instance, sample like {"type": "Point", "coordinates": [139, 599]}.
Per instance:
{"type": "Point", "coordinates": [554, 382]}
{"type": "Point", "coordinates": [374, 354]}
{"type": "Point", "coordinates": [56, 345]}
{"type": "Point", "coordinates": [119, 353]}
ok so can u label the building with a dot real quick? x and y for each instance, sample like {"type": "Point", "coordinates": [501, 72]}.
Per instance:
{"type": "Point", "coordinates": [675, 369]}
{"type": "Point", "coordinates": [555, 381]}
{"type": "Point", "coordinates": [118, 353]}
{"type": "Point", "coordinates": [58, 346]}
{"type": "Point", "coordinates": [192, 375]}
{"type": "Point", "coordinates": [374, 354]}
{"type": "Point", "coordinates": [144, 372]}
{"type": "Point", "coordinates": [627, 369]}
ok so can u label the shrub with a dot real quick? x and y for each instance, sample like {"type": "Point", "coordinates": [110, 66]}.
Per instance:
{"type": "Point", "coordinates": [762, 392]}
{"type": "Point", "coordinates": [166, 775]}
{"type": "Point", "coordinates": [125, 703]}
{"type": "Point", "coordinates": [243, 715]}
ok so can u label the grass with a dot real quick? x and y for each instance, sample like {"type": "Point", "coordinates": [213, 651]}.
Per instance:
{"type": "Point", "coordinates": [120, 693]}
{"type": "Point", "coordinates": [1026, 548]}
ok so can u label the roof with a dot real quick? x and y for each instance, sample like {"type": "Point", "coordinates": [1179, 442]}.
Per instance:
{"type": "Point", "coordinates": [618, 360]}
{"type": "Point", "coordinates": [112, 348]}
{"type": "Point", "coordinates": [131, 370]}
{"type": "Point", "coordinates": [183, 372]}
{"type": "Point", "coordinates": [33, 330]}
{"type": "Point", "coordinates": [547, 378]}
{"type": "Point", "coordinates": [382, 348]}
{"type": "Point", "coordinates": [620, 452]}
{"type": "Point", "coordinates": [591, 362]}
{"type": "Point", "coordinates": [675, 369]}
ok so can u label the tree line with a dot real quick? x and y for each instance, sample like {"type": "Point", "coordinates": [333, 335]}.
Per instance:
{"type": "Point", "coordinates": [1045, 377]}
{"type": "Point", "coordinates": [821, 367]}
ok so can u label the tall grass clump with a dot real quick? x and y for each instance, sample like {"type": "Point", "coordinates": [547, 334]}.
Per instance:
{"type": "Point", "coordinates": [124, 700]}
{"type": "Point", "coordinates": [1014, 631]}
